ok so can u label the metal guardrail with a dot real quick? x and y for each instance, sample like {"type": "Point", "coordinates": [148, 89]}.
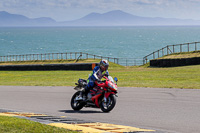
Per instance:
{"type": "Point", "coordinates": [170, 49]}
{"type": "Point", "coordinates": [69, 56]}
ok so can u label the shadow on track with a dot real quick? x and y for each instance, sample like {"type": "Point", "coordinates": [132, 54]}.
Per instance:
{"type": "Point", "coordinates": [80, 112]}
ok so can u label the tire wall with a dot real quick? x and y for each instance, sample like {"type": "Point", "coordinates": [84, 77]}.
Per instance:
{"type": "Point", "coordinates": [77, 66]}
{"type": "Point", "coordinates": [175, 62]}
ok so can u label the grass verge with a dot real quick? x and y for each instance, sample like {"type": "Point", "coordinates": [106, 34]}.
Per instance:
{"type": "Point", "coordinates": [50, 62]}
{"type": "Point", "coordinates": [182, 55]}
{"type": "Point", "coordinates": [18, 125]}
{"type": "Point", "coordinates": [174, 77]}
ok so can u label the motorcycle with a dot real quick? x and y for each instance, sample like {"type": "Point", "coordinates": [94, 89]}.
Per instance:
{"type": "Point", "coordinates": [103, 95]}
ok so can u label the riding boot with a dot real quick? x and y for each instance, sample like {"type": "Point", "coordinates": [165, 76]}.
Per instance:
{"type": "Point", "coordinates": [86, 93]}
{"type": "Point", "coordinates": [83, 94]}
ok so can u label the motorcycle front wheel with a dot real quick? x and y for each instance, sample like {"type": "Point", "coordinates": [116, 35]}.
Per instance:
{"type": "Point", "coordinates": [109, 104]}
{"type": "Point", "coordinates": [75, 104]}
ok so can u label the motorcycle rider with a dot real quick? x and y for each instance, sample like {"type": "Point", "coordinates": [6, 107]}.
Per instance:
{"type": "Point", "coordinates": [97, 74]}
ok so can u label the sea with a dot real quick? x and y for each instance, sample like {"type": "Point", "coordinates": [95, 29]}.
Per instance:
{"type": "Point", "coordinates": [118, 42]}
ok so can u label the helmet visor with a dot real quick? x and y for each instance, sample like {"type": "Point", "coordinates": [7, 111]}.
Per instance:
{"type": "Point", "coordinates": [106, 67]}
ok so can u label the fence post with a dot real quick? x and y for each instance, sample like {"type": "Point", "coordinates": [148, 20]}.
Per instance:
{"type": "Point", "coordinates": [167, 50]}
{"type": "Point", "coordinates": [81, 54]}
{"type": "Point", "coordinates": [41, 57]}
{"type": "Point", "coordinates": [180, 48]}
{"type": "Point", "coordinates": [188, 47]}
{"type": "Point", "coordinates": [61, 56]}
{"type": "Point", "coordinates": [144, 60]}
{"type": "Point", "coordinates": [57, 56]}
{"type": "Point", "coordinates": [195, 46]}
{"type": "Point", "coordinates": [173, 49]}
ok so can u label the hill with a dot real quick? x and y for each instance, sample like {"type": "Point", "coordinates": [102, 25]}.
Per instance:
{"type": "Point", "coordinates": [112, 18]}
{"type": "Point", "coordinates": [7, 19]}
{"type": "Point", "coordinates": [120, 18]}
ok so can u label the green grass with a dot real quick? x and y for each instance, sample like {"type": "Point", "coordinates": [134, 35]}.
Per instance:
{"type": "Point", "coordinates": [17, 125]}
{"type": "Point", "coordinates": [182, 55]}
{"type": "Point", "coordinates": [50, 62]}
{"type": "Point", "coordinates": [174, 77]}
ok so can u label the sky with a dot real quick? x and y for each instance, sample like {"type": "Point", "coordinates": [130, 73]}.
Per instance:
{"type": "Point", "coordinates": [65, 10]}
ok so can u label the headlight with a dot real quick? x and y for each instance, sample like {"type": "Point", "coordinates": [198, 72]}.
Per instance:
{"type": "Point", "coordinates": [112, 86]}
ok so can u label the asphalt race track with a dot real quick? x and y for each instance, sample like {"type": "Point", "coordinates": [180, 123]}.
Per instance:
{"type": "Point", "coordinates": [160, 109]}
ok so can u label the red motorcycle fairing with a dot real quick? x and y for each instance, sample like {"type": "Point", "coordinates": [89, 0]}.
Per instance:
{"type": "Point", "coordinates": [108, 94]}
{"type": "Point", "coordinates": [95, 99]}
{"type": "Point", "coordinates": [96, 92]}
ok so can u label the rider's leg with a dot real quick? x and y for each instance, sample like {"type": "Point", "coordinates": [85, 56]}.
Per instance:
{"type": "Point", "coordinates": [88, 87]}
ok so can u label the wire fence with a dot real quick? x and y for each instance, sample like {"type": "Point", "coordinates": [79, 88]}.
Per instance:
{"type": "Point", "coordinates": [69, 56]}
{"type": "Point", "coordinates": [170, 49]}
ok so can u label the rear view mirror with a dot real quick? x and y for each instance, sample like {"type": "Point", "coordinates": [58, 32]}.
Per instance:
{"type": "Point", "coordinates": [116, 79]}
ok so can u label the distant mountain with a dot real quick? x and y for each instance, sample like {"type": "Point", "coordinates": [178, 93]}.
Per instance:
{"type": "Point", "coordinates": [120, 18]}
{"type": "Point", "coordinates": [7, 19]}
{"type": "Point", "coordinates": [112, 18]}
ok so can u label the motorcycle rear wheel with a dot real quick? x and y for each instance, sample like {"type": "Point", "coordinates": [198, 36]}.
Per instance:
{"type": "Point", "coordinates": [76, 105]}
{"type": "Point", "coordinates": [109, 105]}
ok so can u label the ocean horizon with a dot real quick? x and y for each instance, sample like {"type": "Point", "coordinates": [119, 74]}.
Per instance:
{"type": "Point", "coordinates": [119, 42]}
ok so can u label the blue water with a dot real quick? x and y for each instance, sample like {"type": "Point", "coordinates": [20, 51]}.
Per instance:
{"type": "Point", "coordinates": [126, 42]}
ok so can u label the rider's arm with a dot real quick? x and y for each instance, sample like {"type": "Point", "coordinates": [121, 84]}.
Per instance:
{"type": "Point", "coordinates": [100, 84]}
{"type": "Point", "coordinates": [106, 73]}
{"type": "Point", "coordinates": [95, 71]}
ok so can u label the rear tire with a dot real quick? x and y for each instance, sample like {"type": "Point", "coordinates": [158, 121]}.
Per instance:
{"type": "Point", "coordinates": [76, 105]}
{"type": "Point", "coordinates": [109, 105]}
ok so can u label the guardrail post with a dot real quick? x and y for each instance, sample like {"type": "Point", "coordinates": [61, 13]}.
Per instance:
{"type": "Point", "coordinates": [167, 50]}
{"type": "Point", "coordinates": [41, 57]}
{"type": "Point", "coordinates": [195, 46]}
{"type": "Point", "coordinates": [180, 48]}
{"type": "Point", "coordinates": [61, 56]}
{"type": "Point", "coordinates": [143, 60]}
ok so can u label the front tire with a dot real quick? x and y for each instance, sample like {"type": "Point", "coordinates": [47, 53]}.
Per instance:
{"type": "Point", "coordinates": [109, 104]}
{"type": "Point", "coordinates": [76, 105]}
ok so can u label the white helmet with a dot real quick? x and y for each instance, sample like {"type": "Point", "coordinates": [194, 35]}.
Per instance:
{"type": "Point", "coordinates": [104, 64]}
